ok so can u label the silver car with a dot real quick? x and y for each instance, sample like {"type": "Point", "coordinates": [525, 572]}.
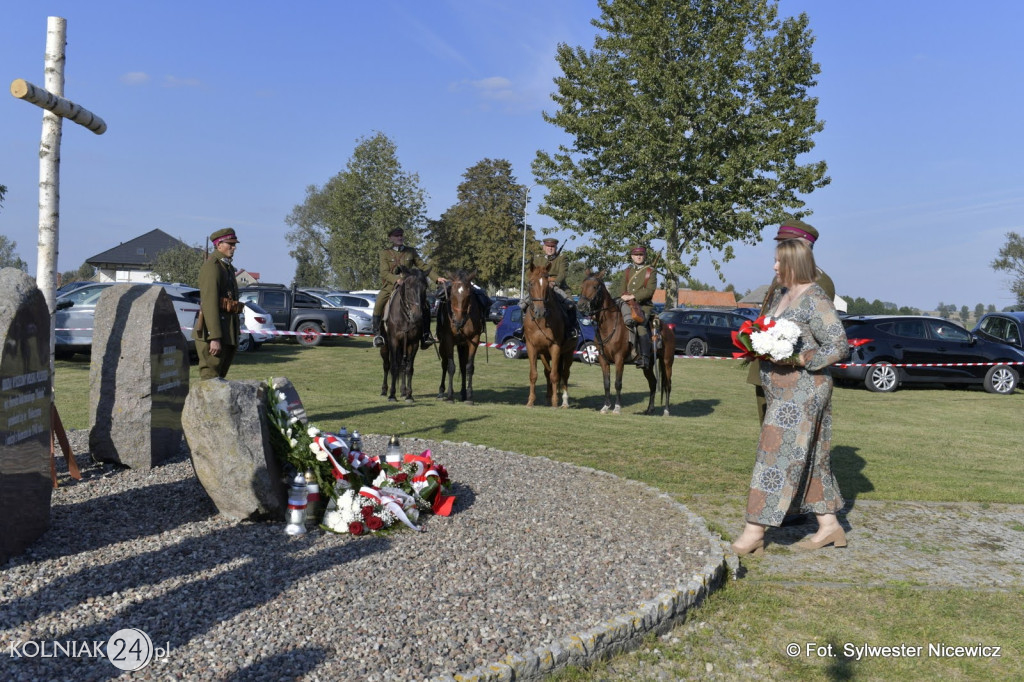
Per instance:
{"type": "Point", "coordinates": [76, 311]}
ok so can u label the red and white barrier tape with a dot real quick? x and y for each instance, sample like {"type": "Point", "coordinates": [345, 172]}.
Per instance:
{"type": "Point", "coordinates": [841, 365]}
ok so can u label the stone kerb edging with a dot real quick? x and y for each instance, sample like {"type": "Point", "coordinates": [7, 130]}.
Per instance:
{"type": "Point", "coordinates": [619, 634]}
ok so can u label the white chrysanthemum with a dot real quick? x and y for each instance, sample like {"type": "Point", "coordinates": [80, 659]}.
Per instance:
{"type": "Point", "coordinates": [332, 520]}
{"type": "Point", "coordinates": [313, 432]}
{"type": "Point", "coordinates": [293, 442]}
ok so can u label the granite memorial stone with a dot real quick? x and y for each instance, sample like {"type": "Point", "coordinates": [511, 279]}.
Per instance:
{"type": "Point", "coordinates": [25, 484]}
{"type": "Point", "coordinates": [226, 428]}
{"type": "Point", "coordinates": [138, 379]}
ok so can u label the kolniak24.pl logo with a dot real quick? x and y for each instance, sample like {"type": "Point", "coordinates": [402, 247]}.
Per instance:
{"type": "Point", "coordinates": [127, 649]}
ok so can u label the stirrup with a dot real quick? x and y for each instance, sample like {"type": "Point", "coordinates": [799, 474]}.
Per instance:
{"type": "Point", "coordinates": [378, 341]}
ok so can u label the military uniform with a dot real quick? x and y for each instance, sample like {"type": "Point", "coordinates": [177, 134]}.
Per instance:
{"type": "Point", "coordinates": [640, 280]}
{"type": "Point", "coordinates": [219, 308]}
{"type": "Point", "coordinates": [558, 272]}
{"type": "Point", "coordinates": [391, 260]}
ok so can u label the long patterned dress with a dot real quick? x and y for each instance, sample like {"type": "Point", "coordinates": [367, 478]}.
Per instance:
{"type": "Point", "coordinates": [794, 452]}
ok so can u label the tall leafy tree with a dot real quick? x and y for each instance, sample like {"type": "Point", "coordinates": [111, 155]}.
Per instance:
{"type": "Point", "coordinates": [1011, 260]}
{"type": "Point", "coordinates": [8, 258]}
{"type": "Point", "coordinates": [686, 120]}
{"type": "Point", "coordinates": [179, 264]}
{"type": "Point", "coordinates": [344, 224]}
{"type": "Point", "coordinates": [483, 230]}
{"type": "Point", "coordinates": [84, 273]}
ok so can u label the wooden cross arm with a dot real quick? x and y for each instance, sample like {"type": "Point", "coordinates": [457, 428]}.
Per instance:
{"type": "Point", "coordinates": [64, 108]}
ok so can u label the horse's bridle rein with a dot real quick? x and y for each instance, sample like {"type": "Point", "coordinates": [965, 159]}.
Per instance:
{"type": "Point", "coordinates": [607, 304]}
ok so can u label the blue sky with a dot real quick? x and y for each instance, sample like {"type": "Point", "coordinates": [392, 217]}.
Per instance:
{"type": "Point", "coordinates": [222, 113]}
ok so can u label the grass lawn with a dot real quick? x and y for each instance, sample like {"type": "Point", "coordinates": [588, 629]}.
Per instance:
{"type": "Point", "coordinates": [926, 445]}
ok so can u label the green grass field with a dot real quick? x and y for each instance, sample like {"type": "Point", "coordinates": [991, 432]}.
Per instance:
{"type": "Point", "coordinates": [926, 445]}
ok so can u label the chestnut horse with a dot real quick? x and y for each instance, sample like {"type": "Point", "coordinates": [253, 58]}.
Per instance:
{"type": "Point", "coordinates": [402, 331]}
{"type": "Point", "coordinates": [460, 321]}
{"type": "Point", "coordinates": [547, 336]}
{"type": "Point", "coordinates": [613, 342]}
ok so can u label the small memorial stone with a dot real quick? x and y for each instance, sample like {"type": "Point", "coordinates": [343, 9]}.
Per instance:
{"type": "Point", "coordinates": [25, 484]}
{"type": "Point", "coordinates": [138, 378]}
{"type": "Point", "coordinates": [227, 432]}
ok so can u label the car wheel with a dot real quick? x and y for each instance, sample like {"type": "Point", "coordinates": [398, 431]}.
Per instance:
{"type": "Point", "coordinates": [1001, 379]}
{"type": "Point", "coordinates": [882, 379]}
{"type": "Point", "coordinates": [589, 353]}
{"type": "Point", "coordinates": [511, 349]}
{"type": "Point", "coordinates": [245, 343]}
{"type": "Point", "coordinates": [308, 334]}
{"type": "Point", "coordinates": [696, 347]}
{"type": "Point", "coordinates": [352, 328]}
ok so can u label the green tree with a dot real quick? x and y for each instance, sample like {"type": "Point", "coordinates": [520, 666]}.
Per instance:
{"type": "Point", "coordinates": [84, 273]}
{"type": "Point", "coordinates": [1011, 259]}
{"type": "Point", "coordinates": [686, 121]}
{"type": "Point", "coordinates": [345, 223]}
{"type": "Point", "coordinates": [179, 264]}
{"type": "Point", "coordinates": [311, 267]}
{"type": "Point", "coordinates": [482, 230]}
{"type": "Point", "coordinates": [979, 310]}
{"type": "Point", "coordinates": [965, 314]}
{"type": "Point", "coordinates": [8, 258]}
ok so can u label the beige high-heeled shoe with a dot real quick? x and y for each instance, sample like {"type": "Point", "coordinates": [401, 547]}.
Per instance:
{"type": "Point", "coordinates": [836, 538]}
{"type": "Point", "coordinates": [756, 548]}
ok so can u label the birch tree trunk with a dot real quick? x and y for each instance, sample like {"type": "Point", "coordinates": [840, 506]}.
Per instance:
{"type": "Point", "coordinates": [49, 172]}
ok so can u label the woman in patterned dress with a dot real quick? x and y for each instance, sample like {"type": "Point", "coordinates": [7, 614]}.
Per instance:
{"type": "Point", "coordinates": [794, 452]}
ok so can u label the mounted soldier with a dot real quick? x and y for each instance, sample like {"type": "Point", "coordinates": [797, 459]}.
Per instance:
{"type": "Point", "coordinates": [558, 271]}
{"type": "Point", "coordinates": [392, 260]}
{"type": "Point", "coordinates": [635, 292]}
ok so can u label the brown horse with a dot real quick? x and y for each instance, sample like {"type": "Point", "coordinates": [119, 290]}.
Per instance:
{"type": "Point", "coordinates": [402, 331]}
{"type": "Point", "coordinates": [546, 331]}
{"type": "Point", "coordinates": [615, 347]}
{"type": "Point", "coordinates": [460, 321]}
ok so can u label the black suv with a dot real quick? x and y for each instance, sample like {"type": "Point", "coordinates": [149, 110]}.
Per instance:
{"type": "Point", "coordinates": [878, 342]}
{"type": "Point", "coordinates": [1002, 327]}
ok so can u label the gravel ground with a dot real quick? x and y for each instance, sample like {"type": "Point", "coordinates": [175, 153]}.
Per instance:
{"type": "Point", "coordinates": [535, 551]}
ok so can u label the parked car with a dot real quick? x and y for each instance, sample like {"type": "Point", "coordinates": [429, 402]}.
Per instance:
{"type": "Point", "coordinates": [498, 306]}
{"type": "Point", "coordinates": [704, 332]}
{"type": "Point", "coordinates": [882, 341]}
{"type": "Point", "coordinates": [360, 308]}
{"type": "Point", "coordinates": [257, 328]}
{"type": "Point", "coordinates": [297, 311]}
{"type": "Point", "coordinates": [751, 313]}
{"type": "Point", "coordinates": [76, 312]}
{"type": "Point", "coordinates": [509, 336]}
{"type": "Point", "coordinates": [1004, 327]}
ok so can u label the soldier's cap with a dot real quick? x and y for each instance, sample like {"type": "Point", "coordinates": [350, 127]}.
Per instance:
{"type": "Point", "coordinates": [397, 232]}
{"type": "Point", "coordinates": [638, 251]}
{"type": "Point", "coordinates": [797, 229]}
{"type": "Point", "coordinates": [550, 241]}
{"type": "Point", "coordinates": [226, 234]}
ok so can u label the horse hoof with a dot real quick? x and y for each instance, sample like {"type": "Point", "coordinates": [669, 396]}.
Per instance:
{"type": "Point", "coordinates": [604, 410]}
{"type": "Point", "coordinates": [392, 400]}
{"type": "Point", "coordinates": [617, 410]}
{"type": "Point", "coordinates": [665, 413]}
{"type": "Point", "coordinates": [409, 400]}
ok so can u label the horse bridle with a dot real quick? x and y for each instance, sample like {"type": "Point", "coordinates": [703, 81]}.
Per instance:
{"type": "Point", "coordinates": [452, 309]}
{"type": "Point", "coordinates": [606, 304]}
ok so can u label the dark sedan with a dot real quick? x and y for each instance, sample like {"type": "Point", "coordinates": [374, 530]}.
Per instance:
{"type": "Point", "coordinates": [878, 342]}
{"type": "Point", "coordinates": [498, 306]}
{"type": "Point", "coordinates": [704, 332]}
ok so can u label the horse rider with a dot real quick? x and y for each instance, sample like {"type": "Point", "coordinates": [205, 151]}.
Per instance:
{"type": "Point", "coordinates": [392, 259]}
{"type": "Point", "coordinates": [638, 284]}
{"type": "Point", "coordinates": [558, 270]}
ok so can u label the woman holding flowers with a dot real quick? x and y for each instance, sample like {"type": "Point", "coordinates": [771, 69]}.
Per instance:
{"type": "Point", "coordinates": [794, 451]}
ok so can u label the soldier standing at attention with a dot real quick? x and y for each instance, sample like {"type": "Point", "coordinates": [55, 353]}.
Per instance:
{"type": "Point", "coordinates": [391, 260]}
{"type": "Point", "coordinates": [216, 328]}
{"type": "Point", "coordinates": [638, 284]}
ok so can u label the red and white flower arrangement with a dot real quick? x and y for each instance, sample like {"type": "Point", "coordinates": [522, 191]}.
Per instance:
{"type": "Point", "coordinates": [768, 339]}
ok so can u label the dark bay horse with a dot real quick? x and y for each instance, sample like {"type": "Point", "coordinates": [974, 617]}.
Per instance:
{"type": "Point", "coordinates": [613, 342]}
{"type": "Point", "coordinates": [546, 331]}
{"type": "Point", "coordinates": [460, 321]}
{"type": "Point", "coordinates": [403, 327]}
